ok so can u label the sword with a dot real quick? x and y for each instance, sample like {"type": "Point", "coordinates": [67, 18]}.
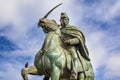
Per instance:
{"type": "Point", "coordinates": [49, 13]}
{"type": "Point", "coordinates": [52, 10]}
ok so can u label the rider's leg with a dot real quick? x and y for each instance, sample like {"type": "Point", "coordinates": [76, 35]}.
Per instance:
{"type": "Point", "coordinates": [30, 70]}
{"type": "Point", "coordinates": [74, 62]}
{"type": "Point", "coordinates": [81, 76]}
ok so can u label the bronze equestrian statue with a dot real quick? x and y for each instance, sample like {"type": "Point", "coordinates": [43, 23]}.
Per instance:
{"type": "Point", "coordinates": [63, 55]}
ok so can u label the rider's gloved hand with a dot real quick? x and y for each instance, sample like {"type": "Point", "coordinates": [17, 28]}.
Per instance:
{"type": "Point", "coordinates": [71, 42]}
{"type": "Point", "coordinates": [67, 42]}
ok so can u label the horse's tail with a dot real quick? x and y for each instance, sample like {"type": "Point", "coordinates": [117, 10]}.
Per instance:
{"type": "Point", "coordinates": [26, 65]}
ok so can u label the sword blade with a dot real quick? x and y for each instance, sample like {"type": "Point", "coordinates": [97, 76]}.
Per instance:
{"type": "Point", "coordinates": [52, 10]}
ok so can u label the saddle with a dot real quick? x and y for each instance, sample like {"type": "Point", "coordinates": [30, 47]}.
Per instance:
{"type": "Point", "coordinates": [81, 63]}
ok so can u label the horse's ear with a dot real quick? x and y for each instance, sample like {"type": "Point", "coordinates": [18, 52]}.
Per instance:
{"type": "Point", "coordinates": [26, 65]}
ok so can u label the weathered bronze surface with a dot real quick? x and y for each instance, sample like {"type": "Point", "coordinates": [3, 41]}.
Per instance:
{"type": "Point", "coordinates": [64, 55]}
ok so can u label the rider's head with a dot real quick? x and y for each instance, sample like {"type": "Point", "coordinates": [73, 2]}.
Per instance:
{"type": "Point", "coordinates": [64, 19]}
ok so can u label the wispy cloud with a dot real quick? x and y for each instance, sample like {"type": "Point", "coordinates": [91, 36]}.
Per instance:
{"type": "Point", "coordinates": [112, 67]}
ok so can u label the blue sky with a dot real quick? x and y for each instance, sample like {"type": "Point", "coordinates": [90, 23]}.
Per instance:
{"type": "Point", "coordinates": [20, 39]}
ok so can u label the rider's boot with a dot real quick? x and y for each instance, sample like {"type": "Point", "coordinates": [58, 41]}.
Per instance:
{"type": "Point", "coordinates": [74, 70]}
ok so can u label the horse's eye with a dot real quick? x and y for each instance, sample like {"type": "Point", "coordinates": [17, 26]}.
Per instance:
{"type": "Point", "coordinates": [42, 24]}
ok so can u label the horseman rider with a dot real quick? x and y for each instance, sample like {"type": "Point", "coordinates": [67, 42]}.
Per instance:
{"type": "Point", "coordinates": [75, 43]}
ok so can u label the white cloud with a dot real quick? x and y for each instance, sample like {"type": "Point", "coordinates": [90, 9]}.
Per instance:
{"type": "Point", "coordinates": [104, 52]}
{"type": "Point", "coordinates": [113, 11]}
{"type": "Point", "coordinates": [10, 72]}
{"type": "Point", "coordinates": [105, 10]}
{"type": "Point", "coordinates": [112, 67]}
{"type": "Point", "coordinates": [96, 48]}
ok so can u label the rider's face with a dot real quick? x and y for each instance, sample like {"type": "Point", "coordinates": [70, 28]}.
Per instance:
{"type": "Point", "coordinates": [64, 21]}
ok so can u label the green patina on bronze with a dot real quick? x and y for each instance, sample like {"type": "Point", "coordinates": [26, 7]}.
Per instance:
{"type": "Point", "coordinates": [76, 40]}
{"type": "Point", "coordinates": [75, 33]}
{"type": "Point", "coordinates": [64, 55]}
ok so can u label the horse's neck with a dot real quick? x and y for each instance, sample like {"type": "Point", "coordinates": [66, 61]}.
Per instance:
{"type": "Point", "coordinates": [52, 40]}
{"type": "Point", "coordinates": [58, 32]}
{"type": "Point", "coordinates": [55, 37]}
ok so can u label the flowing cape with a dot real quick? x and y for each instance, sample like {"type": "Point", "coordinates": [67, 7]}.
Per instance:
{"type": "Point", "coordinates": [76, 33]}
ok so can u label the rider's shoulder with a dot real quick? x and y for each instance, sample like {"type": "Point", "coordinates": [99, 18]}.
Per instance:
{"type": "Point", "coordinates": [74, 27]}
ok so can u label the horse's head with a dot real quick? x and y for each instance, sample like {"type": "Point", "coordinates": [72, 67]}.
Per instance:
{"type": "Point", "coordinates": [48, 25]}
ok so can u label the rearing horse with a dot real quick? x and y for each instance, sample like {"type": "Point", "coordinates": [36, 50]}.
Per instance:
{"type": "Point", "coordinates": [52, 60]}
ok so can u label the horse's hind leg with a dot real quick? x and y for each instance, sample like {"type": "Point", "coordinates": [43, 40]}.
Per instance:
{"type": "Point", "coordinates": [30, 70]}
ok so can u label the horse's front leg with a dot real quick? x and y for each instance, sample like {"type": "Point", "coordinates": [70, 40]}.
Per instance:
{"type": "Point", "coordinates": [29, 70]}
{"type": "Point", "coordinates": [55, 73]}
